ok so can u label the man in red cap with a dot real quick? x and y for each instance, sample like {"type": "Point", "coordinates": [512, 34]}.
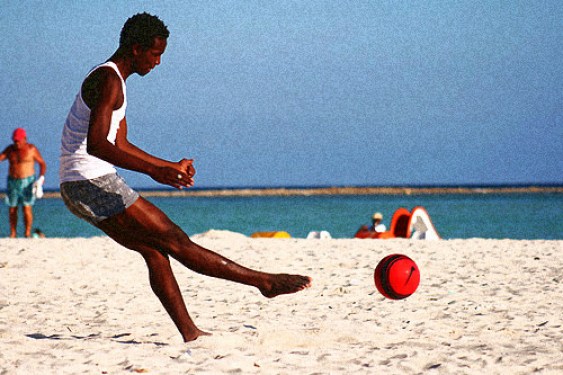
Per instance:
{"type": "Point", "coordinates": [22, 157]}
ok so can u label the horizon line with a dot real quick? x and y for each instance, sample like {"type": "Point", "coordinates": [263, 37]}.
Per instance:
{"type": "Point", "coordinates": [340, 190]}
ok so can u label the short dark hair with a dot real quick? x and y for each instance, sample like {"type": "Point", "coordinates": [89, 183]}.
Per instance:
{"type": "Point", "coordinates": [141, 29]}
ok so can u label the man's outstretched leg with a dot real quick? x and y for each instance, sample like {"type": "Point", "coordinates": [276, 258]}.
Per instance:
{"type": "Point", "coordinates": [209, 263]}
{"type": "Point", "coordinates": [146, 223]}
{"type": "Point", "coordinates": [144, 228]}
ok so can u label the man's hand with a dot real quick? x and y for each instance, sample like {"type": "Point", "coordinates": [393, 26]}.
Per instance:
{"type": "Point", "coordinates": [188, 166]}
{"type": "Point", "coordinates": [175, 177]}
{"type": "Point", "coordinates": [38, 187]}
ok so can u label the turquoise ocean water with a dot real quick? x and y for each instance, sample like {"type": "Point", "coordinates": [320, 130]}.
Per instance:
{"type": "Point", "coordinates": [455, 216]}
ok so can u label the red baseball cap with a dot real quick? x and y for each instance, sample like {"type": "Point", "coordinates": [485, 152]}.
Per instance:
{"type": "Point", "coordinates": [19, 134]}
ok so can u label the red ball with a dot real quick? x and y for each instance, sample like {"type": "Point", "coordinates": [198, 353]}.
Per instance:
{"type": "Point", "coordinates": [396, 276]}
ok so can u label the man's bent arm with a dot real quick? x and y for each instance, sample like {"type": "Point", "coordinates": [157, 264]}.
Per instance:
{"type": "Point", "coordinates": [109, 97]}
{"type": "Point", "coordinates": [123, 143]}
{"type": "Point", "coordinates": [39, 159]}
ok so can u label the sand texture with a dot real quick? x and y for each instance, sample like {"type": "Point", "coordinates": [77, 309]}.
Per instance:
{"type": "Point", "coordinates": [84, 306]}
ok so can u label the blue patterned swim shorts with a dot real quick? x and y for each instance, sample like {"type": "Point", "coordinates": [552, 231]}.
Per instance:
{"type": "Point", "coordinates": [20, 191]}
{"type": "Point", "coordinates": [99, 198]}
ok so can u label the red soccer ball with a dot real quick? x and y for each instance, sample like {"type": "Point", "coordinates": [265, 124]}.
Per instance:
{"type": "Point", "coordinates": [396, 276]}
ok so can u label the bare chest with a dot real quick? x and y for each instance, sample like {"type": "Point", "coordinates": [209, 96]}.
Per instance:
{"type": "Point", "coordinates": [19, 156]}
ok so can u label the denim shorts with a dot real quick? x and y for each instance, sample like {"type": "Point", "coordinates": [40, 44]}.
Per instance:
{"type": "Point", "coordinates": [99, 198]}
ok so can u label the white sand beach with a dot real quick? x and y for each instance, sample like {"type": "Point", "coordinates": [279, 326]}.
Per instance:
{"type": "Point", "coordinates": [84, 306]}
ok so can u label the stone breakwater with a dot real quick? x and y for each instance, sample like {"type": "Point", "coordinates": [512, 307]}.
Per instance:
{"type": "Point", "coordinates": [248, 192]}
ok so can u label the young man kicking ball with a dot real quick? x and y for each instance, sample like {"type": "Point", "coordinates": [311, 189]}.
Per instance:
{"type": "Point", "coordinates": [95, 140]}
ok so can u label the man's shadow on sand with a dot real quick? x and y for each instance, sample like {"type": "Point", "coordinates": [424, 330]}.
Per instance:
{"type": "Point", "coordinates": [119, 338]}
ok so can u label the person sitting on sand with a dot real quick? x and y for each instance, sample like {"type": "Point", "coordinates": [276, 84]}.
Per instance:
{"type": "Point", "coordinates": [376, 225]}
{"type": "Point", "coordinates": [38, 233]}
{"type": "Point", "coordinates": [95, 140]}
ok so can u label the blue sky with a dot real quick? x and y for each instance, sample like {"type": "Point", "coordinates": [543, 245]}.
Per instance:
{"type": "Point", "coordinates": [308, 93]}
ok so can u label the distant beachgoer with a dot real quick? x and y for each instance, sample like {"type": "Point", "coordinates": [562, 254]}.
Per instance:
{"type": "Point", "coordinates": [22, 182]}
{"type": "Point", "coordinates": [376, 224]}
{"type": "Point", "coordinates": [95, 140]}
{"type": "Point", "coordinates": [38, 233]}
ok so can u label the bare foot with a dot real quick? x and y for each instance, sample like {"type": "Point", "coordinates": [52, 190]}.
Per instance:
{"type": "Point", "coordinates": [194, 335]}
{"type": "Point", "coordinates": [285, 284]}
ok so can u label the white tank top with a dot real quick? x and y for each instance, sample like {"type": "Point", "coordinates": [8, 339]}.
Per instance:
{"type": "Point", "coordinates": [75, 162]}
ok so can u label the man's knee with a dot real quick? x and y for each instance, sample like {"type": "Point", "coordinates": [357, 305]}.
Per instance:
{"type": "Point", "coordinates": [172, 240]}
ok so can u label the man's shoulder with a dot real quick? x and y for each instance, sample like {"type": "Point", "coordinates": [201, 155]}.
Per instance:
{"type": "Point", "coordinates": [7, 153]}
{"type": "Point", "coordinates": [102, 73]}
{"type": "Point", "coordinates": [101, 80]}
{"type": "Point", "coordinates": [9, 149]}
